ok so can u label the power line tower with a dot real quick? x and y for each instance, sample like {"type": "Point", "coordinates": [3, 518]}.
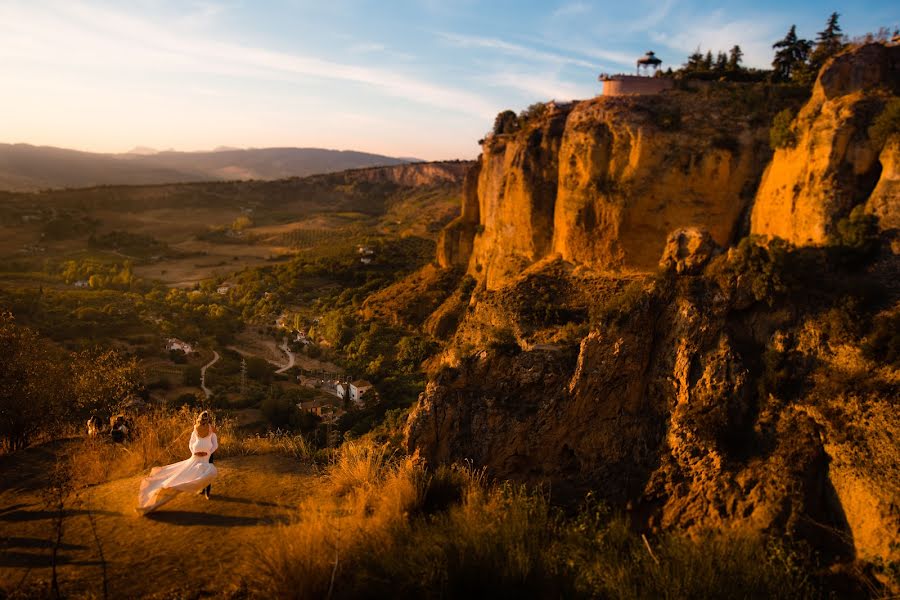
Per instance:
{"type": "Point", "coordinates": [243, 376]}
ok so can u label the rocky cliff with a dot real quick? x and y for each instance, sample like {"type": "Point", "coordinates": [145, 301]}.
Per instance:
{"type": "Point", "coordinates": [602, 182]}
{"type": "Point", "coordinates": [833, 163]}
{"type": "Point", "coordinates": [742, 386]}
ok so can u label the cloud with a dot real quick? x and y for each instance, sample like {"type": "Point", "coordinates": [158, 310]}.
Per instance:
{"type": "Point", "coordinates": [716, 32]}
{"type": "Point", "coordinates": [540, 86]}
{"type": "Point", "coordinates": [514, 50]}
{"type": "Point", "coordinates": [571, 9]}
{"type": "Point", "coordinates": [89, 36]}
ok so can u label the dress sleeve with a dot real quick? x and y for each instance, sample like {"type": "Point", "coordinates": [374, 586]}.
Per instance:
{"type": "Point", "coordinates": [193, 443]}
{"type": "Point", "coordinates": [215, 442]}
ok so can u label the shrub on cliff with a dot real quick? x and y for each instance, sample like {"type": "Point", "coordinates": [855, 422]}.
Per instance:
{"type": "Point", "coordinates": [886, 124]}
{"type": "Point", "coordinates": [756, 269]}
{"type": "Point", "coordinates": [506, 122]}
{"type": "Point", "coordinates": [855, 238]}
{"type": "Point", "coordinates": [782, 135]}
{"type": "Point", "coordinates": [883, 343]}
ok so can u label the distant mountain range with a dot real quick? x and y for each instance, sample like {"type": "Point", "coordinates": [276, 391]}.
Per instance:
{"type": "Point", "coordinates": [24, 167]}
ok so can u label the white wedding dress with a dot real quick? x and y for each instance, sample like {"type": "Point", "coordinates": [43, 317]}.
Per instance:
{"type": "Point", "coordinates": [191, 475]}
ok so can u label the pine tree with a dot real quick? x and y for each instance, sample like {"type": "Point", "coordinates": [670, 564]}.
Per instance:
{"type": "Point", "coordinates": [790, 55]}
{"type": "Point", "coordinates": [735, 57]}
{"type": "Point", "coordinates": [708, 61]}
{"type": "Point", "coordinates": [828, 42]}
{"type": "Point", "coordinates": [694, 61]}
{"type": "Point", "coordinates": [721, 61]}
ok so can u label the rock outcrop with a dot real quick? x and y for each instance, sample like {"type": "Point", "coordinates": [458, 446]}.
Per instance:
{"type": "Point", "coordinates": [687, 251]}
{"type": "Point", "coordinates": [733, 389]}
{"type": "Point", "coordinates": [833, 164]}
{"type": "Point", "coordinates": [602, 182]}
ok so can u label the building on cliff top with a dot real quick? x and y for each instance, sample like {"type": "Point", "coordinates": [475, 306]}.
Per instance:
{"type": "Point", "coordinates": [647, 83]}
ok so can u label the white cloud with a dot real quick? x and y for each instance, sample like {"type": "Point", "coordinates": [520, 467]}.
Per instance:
{"type": "Point", "coordinates": [73, 33]}
{"type": "Point", "coordinates": [719, 33]}
{"type": "Point", "coordinates": [540, 86]}
{"type": "Point", "coordinates": [571, 9]}
{"type": "Point", "coordinates": [515, 50]}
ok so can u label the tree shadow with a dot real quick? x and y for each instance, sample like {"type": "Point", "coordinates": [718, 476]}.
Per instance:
{"type": "Point", "coordinates": [21, 516]}
{"type": "Point", "coordinates": [252, 502]}
{"type": "Point", "coordinates": [18, 560]}
{"type": "Point", "coordinates": [190, 519]}
{"type": "Point", "coordinates": [29, 542]}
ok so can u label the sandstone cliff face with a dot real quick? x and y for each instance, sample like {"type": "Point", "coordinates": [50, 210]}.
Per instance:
{"type": "Point", "coordinates": [834, 165]}
{"type": "Point", "coordinates": [454, 246]}
{"type": "Point", "coordinates": [660, 411]}
{"type": "Point", "coordinates": [602, 182]}
{"type": "Point", "coordinates": [633, 170]}
{"type": "Point", "coordinates": [885, 199]}
{"type": "Point", "coordinates": [666, 395]}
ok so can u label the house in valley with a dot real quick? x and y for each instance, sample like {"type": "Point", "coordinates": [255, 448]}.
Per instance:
{"type": "Point", "coordinates": [360, 391]}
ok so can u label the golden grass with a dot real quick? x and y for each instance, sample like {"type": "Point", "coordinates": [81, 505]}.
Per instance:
{"type": "Point", "coordinates": [385, 526]}
{"type": "Point", "coordinates": [161, 437]}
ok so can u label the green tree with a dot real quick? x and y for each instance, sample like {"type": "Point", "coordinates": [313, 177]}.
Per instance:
{"type": "Point", "coordinates": [721, 61]}
{"type": "Point", "coordinates": [735, 57]}
{"type": "Point", "coordinates": [791, 53]}
{"type": "Point", "coordinates": [782, 135]}
{"type": "Point", "coordinates": [32, 385]}
{"type": "Point", "coordinates": [708, 61]}
{"type": "Point", "coordinates": [695, 61]}
{"type": "Point", "coordinates": [829, 42]}
{"type": "Point", "coordinates": [506, 122]}
{"type": "Point", "coordinates": [102, 379]}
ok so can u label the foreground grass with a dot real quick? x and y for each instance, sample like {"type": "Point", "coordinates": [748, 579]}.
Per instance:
{"type": "Point", "coordinates": [387, 527]}
{"type": "Point", "coordinates": [382, 525]}
{"type": "Point", "coordinates": [160, 437]}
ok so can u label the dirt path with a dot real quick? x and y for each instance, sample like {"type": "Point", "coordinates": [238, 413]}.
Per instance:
{"type": "Point", "coordinates": [290, 354]}
{"type": "Point", "coordinates": [191, 544]}
{"type": "Point", "coordinates": [206, 390]}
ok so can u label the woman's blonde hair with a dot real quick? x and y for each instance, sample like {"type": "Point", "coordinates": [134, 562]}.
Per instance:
{"type": "Point", "coordinates": [199, 420]}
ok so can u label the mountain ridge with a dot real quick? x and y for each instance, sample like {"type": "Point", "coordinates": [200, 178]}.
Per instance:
{"type": "Point", "coordinates": [26, 167]}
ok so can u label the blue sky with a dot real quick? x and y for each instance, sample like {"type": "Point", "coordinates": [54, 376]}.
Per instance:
{"type": "Point", "coordinates": [419, 78]}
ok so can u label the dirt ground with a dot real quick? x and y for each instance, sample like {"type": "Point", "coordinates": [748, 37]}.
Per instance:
{"type": "Point", "coordinates": [190, 547]}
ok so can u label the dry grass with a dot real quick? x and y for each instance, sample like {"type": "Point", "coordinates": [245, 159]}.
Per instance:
{"type": "Point", "coordinates": [384, 526]}
{"type": "Point", "coordinates": [161, 437]}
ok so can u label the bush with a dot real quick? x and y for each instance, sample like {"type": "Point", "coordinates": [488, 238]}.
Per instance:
{"type": "Point", "coordinates": [188, 399]}
{"type": "Point", "coordinates": [389, 527]}
{"type": "Point", "coordinates": [192, 376]}
{"type": "Point", "coordinates": [887, 123]}
{"type": "Point", "coordinates": [782, 135]}
{"type": "Point", "coordinates": [758, 269]}
{"type": "Point", "coordinates": [883, 343]}
{"type": "Point", "coordinates": [505, 122]}
{"type": "Point", "coordinates": [855, 238]}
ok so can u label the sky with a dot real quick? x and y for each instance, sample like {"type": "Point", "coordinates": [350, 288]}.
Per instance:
{"type": "Point", "coordinates": [412, 78]}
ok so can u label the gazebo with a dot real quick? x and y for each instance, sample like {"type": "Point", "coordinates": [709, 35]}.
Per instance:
{"type": "Point", "coordinates": [648, 62]}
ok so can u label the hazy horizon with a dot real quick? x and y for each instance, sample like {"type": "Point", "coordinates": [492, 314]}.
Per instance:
{"type": "Point", "coordinates": [92, 76]}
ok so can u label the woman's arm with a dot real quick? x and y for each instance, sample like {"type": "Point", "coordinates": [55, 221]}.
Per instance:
{"type": "Point", "coordinates": [194, 442]}
{"type": "Point", "coordinates": [215, 442]}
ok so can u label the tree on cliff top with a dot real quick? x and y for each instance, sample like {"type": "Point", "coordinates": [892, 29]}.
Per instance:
{"type": "Point", "coordinates": [828, 42]}
{"type": "Point", "coordinates": [791, 53]}
{"type": "Point", "coordinates": [735, 57]}
{"type": "Point", "coordinates": [505, 122]}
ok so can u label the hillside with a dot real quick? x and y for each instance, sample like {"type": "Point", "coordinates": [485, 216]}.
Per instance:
{"type": "Point", "coordinates": [27, 168]}
{"type": "Point", "coordinates": [105, 543]}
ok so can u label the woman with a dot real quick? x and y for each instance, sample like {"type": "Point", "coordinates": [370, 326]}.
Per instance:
{"type": "Point", "coordinates": [191, 475]}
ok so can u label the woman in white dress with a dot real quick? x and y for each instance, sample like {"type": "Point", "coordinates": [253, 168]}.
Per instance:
{"type": "Point", "coordinates": [191, 475]}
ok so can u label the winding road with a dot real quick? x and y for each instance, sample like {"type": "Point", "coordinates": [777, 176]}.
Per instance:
{"type": "Point", "coordinates": [290, 354]}
{"type": "Point", "coordinates": [206, 390]}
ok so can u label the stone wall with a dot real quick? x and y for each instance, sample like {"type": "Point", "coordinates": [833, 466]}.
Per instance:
{"type": "Point", "coordinates": [629, 85]}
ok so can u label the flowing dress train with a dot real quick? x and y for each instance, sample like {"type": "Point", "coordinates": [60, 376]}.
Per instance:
{"type": "Point", "coordinates": [191, 475]}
